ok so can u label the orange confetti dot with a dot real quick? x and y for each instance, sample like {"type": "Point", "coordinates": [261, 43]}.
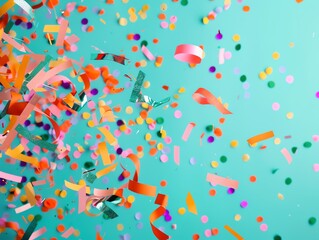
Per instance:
{"type": "Point", "coordinates": [162, 16]}
{"type": "Point", "coordinates": [66, 13]}
{"type": "Point", "coordinates": [143, 114]}
{"type": "Point", "coordinates": [127, 205]}
{"type": "Point", "coordinates": [253, 178]}
{"type": "Point", "coordinates": [126, 174]}
{"type": "Point", "coordinates": [299, 1]}
{"type": "Point", "coordinates": [33, 35]}
{"type": "Point", "coordinates": [139, 148]}
{"type": "Point", "coordinates": [52, 3]}
{"type": "Point", "coordinates": [137, 64]}
{"type": "Point", "coordinates": [90, 29]}
{"type": "Point", "coordinates": [218, 75]}
{"type": "Point", "coordinates": [259, 219]}
{"type": "Point", "coordinates": [163, 183]}
{"type": "Point", "coordinates": [152, 142]}
{"type": "Point", "coordinates": [130, 36]}
{"type": "Point", "coordinates": [60, 216]}
{"type": "Point", "coordinates": [60, 51]}
{"type": "Point", "coordinates": [26, 40]}
{"type": "Point", "coordinates": [215, 231]}
{"type": "Point", "coordinates": [221, 120]}
{"type": "Point", "coordinates": [134, 48]}
{"type": "Point", "coordinates": [112, 157]}
{"type": "Point", "coordinates": [153, 151]}
{"type": "Point", "coordinates": [155, 40]}
{"type": "Point", "coordinates": [60, 228]}
{"type": "Point", "coordinates": [195, 236]}
{"type": "Point", "coordinates": [211, 17]}
{"type": "Point", "coordinates": [98, 136]}
{"type": "Point", "coordinates": [50, 203]}
{"type": "Point", "coordinates": [74, 166]}
{"type": "Point", "coordinates": [53, 238]}
{"type": "Point", "coordinates": [81, 9]}
{"type": "Point", "coordinates": [101, 12]}
{"type": "Point", "coordinates": [165, 87]}
{"type": "Point", "coordinates": [218, 132]}
{"type": "Point", "coordinates": [174, 104]}
{"type": "Point", "coordinates": [246, 8]}
{"type": "Point", "coordinates": [212, 192]}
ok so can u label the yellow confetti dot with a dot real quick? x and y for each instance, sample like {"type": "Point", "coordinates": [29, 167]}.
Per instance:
{"type": "Point", "coordinates": [163, 133]}
{"type": "Point", "coordinates": [3, 190]}
{"type": "Point", "coordinates": [245, 157]}
{"type": "Point", "coordinates": [129, 110]}
{"type": "Point", "coordinates": [120, 227]}
{"type": "Point", "coordinates": [72, 74]}
{"type": "Point", "coordinates": [275, 55]}
{"type": "Point", "coordinates": [131, 11]}
{"type": "Point", "coordinates": [163, 7]}
{"type": "Point", "coordinates": [145, 105]}
{"type": "Point", "coordinates": [214, 164]}
{"type": "Point", "coordinates": [181, 90]}
{"type": "Point", "coordinates": [82, 182]}
{"type": "Point", "coordinates": [262, 75]}
{"type": "Point", "coordinates": [236, 38]}
{"type": "Point", "coordinates": [176, 96]}
{"type": "Point", "coordinates": [280, 196]}
{"type": "Point", "coordinates": [290, 115]}
{"type": "Point", "coordinates": [149, 120]}
{"type": "Point", "coordinates": [277, 141]}
{"type": "Point", "coordinates": [23, 198]}
{"type": "Point", "coordinates": [171, 26]}
{"type": "Point", "coordinates": [101, 103]}
{"type": "Point", "coordinates": [182, 211]}
{"type": "Point", "coordinates": [148, 136]}
{"type": "Point", "coordinates": [140, 154]}
{"type": "Point", "coordinates": [237, 217]}
{"type": "Point", "coordinates": [139, 120]}
{"type": "Point", "coordinates": [30, 217]}
{"type": "Point", "coordinates": [63, 194]}
{"type": "Point", "coordinates": [205, 20]}
{"type": "Point", "coordinates": [133, 18]}
{"type": "Point", "coordinates": [160, 146]}
{"type": "Point", "coordinates": [234, 143]}
{"type": "Point", "coordinates": [59, 210]}
{"type": "Point", "coordinates": [147, 84]}
{"type": "Point", "coordinates": [268, 70]}
{"type": "Point", "coordinates": [76, 233]}
{"type": "Point", "coordinates": [123, 128]}
{"type": "Point", "coordinates": [292, 44]}
{"type": "Point", "coordinates": [130, 199]}
{"type": "Point", "coordinates": [145, 8]}
{"type": "Point", "coordinates": [57, 192]}
{"type": "Point", "coordinates": [91, 123]}
{"type": "Point", "coordinates": [86, 115]}
{"type": "Point", "coordinates": [12, 33]}
{"type": "Point", "coordinates": [143, 63]}
{"type": "Point", "coordinates": [123, 22]}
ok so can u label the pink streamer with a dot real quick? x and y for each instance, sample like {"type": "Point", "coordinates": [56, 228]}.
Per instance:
{"type": "Point", "coordinates": [176, 155]}
{"type": "Point", "coordinates": [187, 131]}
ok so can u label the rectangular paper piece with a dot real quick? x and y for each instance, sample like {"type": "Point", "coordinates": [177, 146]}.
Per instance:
{"type": "Point", "coordinates": [218, 180]}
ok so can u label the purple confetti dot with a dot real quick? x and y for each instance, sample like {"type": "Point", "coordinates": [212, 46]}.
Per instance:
{"type": "Point", "coordinates": [94, 91]}
{"type": "Point", "coordinates": [119, 151]}
{"type": "Point", "coordinates": [210, 139]}
{"type": "Point", "coordinates": [230, 190]}
{"type": "Point", "coordinates": [119, 123]}
{"type": "Point", "coordinates": [121, 177]}
{"type": "Point", "coordinates": [46, 127]}
{"type": "Point", "coordinates": [3, 182]}
{"type": "Point", "coordinates": [68, 113]}
{"type": "Point", "coordinates": [219, 36]}
{"type": "Point", "coordinates": [24, 179]}
{"type": "Point", "coordinates": [23, 164]}
{"type": "Point", "coordinates": [39, 124]}
{"type": "Point", "coordinates": [244, 204]}
{"type": "Point", "coordinates": [105, 180]}
{"type": "Point", "coordinates": [29, 25]}
{"type": "Point", "coordinates": [317, 94]}
{"type": "Point", "coordinates": [137, 37]}
{"type": "Point", "coordinates": [29, 153]}
{"type": "Point", "coordinates": [66, 85]}
{"type": "Point", "coordinates": [84, 21]}
{"type": "Point", "coordinates": [27, 123]}
{"type": "Point", "coordinates": [167, 218]}
{"type": "Point", "coordinates": [18, 22]}
{"type": "Point", "coordinates": [212, 69]}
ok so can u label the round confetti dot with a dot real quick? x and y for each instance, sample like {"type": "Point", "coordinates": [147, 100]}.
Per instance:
{"type": "Point", "coordinates": [237, 217]}
{"type": "Point", "coordinates": [177, 114]}
{"type": "Point", "coordinates": [246, 8]}
{"type": "Point", "coordinates": [212, 192]}
{"type": "Point", "coordinates": [237, 47]}
{"type": "Point", "coordinates": [236, 38]}
{"type": "Point", "coordinates": [205, 20]}
{"type": "Point", "coordinates": [163, 183]}
{"type": "Point", "coordinates": [290, 79]}
{"type": "Point", "coordinates": [228, 55]}
{"type": "Point", "coordinates": [208, 232]}
{"type": "Point", "coordinates": [210, 139]}
{"type": "Point", "coordinates": [288, 181]}
{"type": "Point", "coordinates": [181, 211]}
{"type": "Point", "coordinates": [120, 227]}
{"type": "Point", "coordinates": [275, 55]}
{"type": "Point", "coordinates": [243, 78]}
{"type": "Point", "coordinates": [277, 237]}
{"type": "Point", "coordinates": [315, 138]}
{"type": "Point", "coordinates": [244, 204]}
{"type": "Point", "coordinates": [147, 84]}
{"type": "Point", "coordinates": [215, 231]}
{"type": "Point", "coordinates": [252, 178]}
{"type": "Point", "coordinates": [262, 75]}
{"type": "Point", "coordinates": [212, 69]}
{"type": "Point", "coordinates": [317, 94]}
{"type": "Point", "coordinates": [307, 144]}
{"type": "Point", "coordinates": [223, 159]}
{"type": "Point", "coordinates": [277, 141]}
{"type": "Point", "coordinates": [130, 199]}
{"type": "Point", "coordinates": [259, 219]}
{"type": "Point", "coordinates": [123, 21]}
{"type": "Point", "coordinates": [184, 2]}
{"type": "Point", "coordinates": [164, 158]}
{"type": "Point", "coordinates": [214, 164]}
{"type": "Point", "coordinates": [245, 157]}
{"type": "Point", "coordinates": [290, 115]}
{"type": "Point", "coordinates": [275, 106]}
{"type": "Point", "coordinates": [234, 143]}
{"type": "Point", "coordinates": [192, 161]}
{"type": "Point", "coordinates": [271, 84]}
{"type": "Point", "coordinates": [164, 24]}
{"type": "Point", "coordinates": [230, 191]}
{"type": "Point", "coordinates": [269, 70]}
{"type": "Point", "coordinates": [84, 21]}
{"type": "Point", "coordinates": [204, 219]}
{"type": "Point", "coordinates": [312, 220]}
{"type": "Point", "coordinates": [263, 227]}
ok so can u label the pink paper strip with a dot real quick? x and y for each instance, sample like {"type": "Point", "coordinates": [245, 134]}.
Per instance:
{"type": "Point", "coordinates": [147, 53]}
{"type": "Point", "coordinates": [39, 182]}
{"type": "Point", "coordinates": [189, 53]}
{"type": "Point", "coordinates": [23, 208]}
{"type": "Point", "coordinates": [218, 180]}
{"type": "Point", "coordinates": [12, 42]}
{"type": "Point", "coordinates": [62, 32]}
{"type": "Point", "coordinates": [72, 39]}
{"type": "Point", "coordinates": [82, 199]}
{"type": "Point", "coordinates": [68, 232]}
{"type": "Point", "coordinates": [187, 131]}
{"type": "Point", "coordinates": [38, 233]}
{"type": "Point", "coordinates": [176, 155]}
{"type": "Point", "coordinates": [10, 177]}
{"type": "Point", "coordinates": [221, 56]}
{"type": "Point", "coordinates": [287, 155]}
{"type": "Point", "coordinates": [102, 192]}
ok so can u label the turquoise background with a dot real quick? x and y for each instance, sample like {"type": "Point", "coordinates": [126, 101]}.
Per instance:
{"type": "Point", "coordinates": [269, 26]}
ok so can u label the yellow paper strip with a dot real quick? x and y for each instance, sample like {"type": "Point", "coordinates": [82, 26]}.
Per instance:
{"type": "Point", "coordinates": [104, 153]}
{"type": "Point", "coordinates": [54, 28]}
{"type": "Point", "coordinates": [6, 7]}
{"type": "Point", "coordinates": [76, 187]}
{"type": "Point", "coordinates": [29, 192]}
{"type": "Point", "coordinates": [16, 154]}
{"type": "Point", "coordinates": [108, 136]}
{"type": "Point", "coordinates": [191, 204]}
{"type": "Point", "coordinates": [105, 171]}
{"type": "Point", "coordinates": [233, 232]}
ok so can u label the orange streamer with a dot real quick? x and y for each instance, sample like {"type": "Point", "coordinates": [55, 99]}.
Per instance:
{"type": "Point", "coordinates": [161, 200]}
{"type": "Point", "coordinates": [260, 137]}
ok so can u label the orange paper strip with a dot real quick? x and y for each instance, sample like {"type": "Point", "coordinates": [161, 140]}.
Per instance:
{"type": "Point", "coordinates": [29, 192]}
{"type": "Point", "coordinates": [141, 188]}
{"type": "Point", "coordinates": [104, 153]}
{"type": "Point", "coordinates": [157, 213]}
{"type": "Point", "coordinates": [191, 203]}
{"type": "Point", "coordinates": [108, 136]}
{"type": "Point", "coordinates": [203, 96]}
{"type": "Point", "coordinates": [260, 137]}
{"type": "Point", "coordinates": [105, 171]}
{"type": "Point", "coordinates": [233, 232]}
{"type": "Point", "coordinates": [6, 7]}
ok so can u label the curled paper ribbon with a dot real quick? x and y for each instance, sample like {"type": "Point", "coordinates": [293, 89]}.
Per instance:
{"type": "Point", "coordinates": [110, 57]}
{"type": "Point", "coordinates": [203, 96]}
{"type": "Point", "coordinates": [189, 53]}
{"type": "Point", "coordinates": [137, 96]}
{"type": "Point", "coordinates": [260, 137]}
{"type": "Point", "coordinates": [161, 200]}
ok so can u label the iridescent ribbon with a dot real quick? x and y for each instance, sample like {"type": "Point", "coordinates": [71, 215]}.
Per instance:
{"type": "Point", "coordinates": [110, 57]}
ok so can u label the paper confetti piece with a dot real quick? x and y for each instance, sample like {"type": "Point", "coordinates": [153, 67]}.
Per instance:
{"type": "Point", "coordinates": [108, 136]}
{"type": "Point", "coordinates": [62, 31]}
{"type": "Point", "coordinates": [104, 153]}
{"type": "Point", "coordinates": [38, 233]}
{"type": "Point", "coordinates": [5, 7]}
{"type": "Point", "coordinates": [218, 180]}
{"type": "Point", "coordinates": [16, 154]}
{"type": "Point", "coordinates": [187, 131]}
{"type": "Point", "coordinates": [25, 6]}
{"type": "Point", "coordinates": [233, 232]}
{"type": "Point", "coordinates": [10, 177]}
{"type": "Point", "coordinates": [287, 155]}
{"type": "Point", "coordinates": [30, 229]}
{"type": "Point", "coordinates": [76, 187]}
{"type": "Point", "coordinates": [23, 208]}
{"type": "Point", "coordinates": [147, 53]}
{"type": "Point", "coordinates": [189, 53]}
{"type": "Point", "coordinates": [191, 203]}
{"type": "Point", "coordinates": [176, 155]}
{"type": "Point", "coordinates": [260, 137]}
{"type": "Point", "coordinates": [221, 58]}
{"type": "Point", "coordinates": [68, 232]}
{"type": "Point", "coordinates": [105, 170]}
{"type": "Point", "coordinates": [82, 199]}
{"type": "Point", "coordinates": [161, 200]}
{"type": "Point", "coordinates": [54, 28]}
{"type": "Point", "coordinates": [203, 96]}
{"type": "Point", "coordinates": [109, 56]}
{"type": "Point", "coordinates": [29, 192]}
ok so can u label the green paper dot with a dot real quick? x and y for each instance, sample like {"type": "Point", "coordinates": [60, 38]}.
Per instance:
{"type": "Point", "coordinates": [271, 84]}
{"type": "Point", "coordinates": [45, 137]}
{"type": "Point", "coordinates": [160, 120]}
{"type": "Point", "coordinates": [237, 47]}
{"type": "Point", "coordinates": [223, 159]}
{"type": "Point", "coordinates": [38, 217]}
{"type": "Point", "coordinates": [243, 78]}
{"type": "Point", "coordinates": [277, 237]}
{"type": "Point", "coordinates": [88, 165]}
{"type": "Point", "coordinates": [312, 220]}
{"type": "Point", "coordinates": [144, 43]}
{"type": "Point", "coordinates": [288, 181]}
{"type": "Point", "coordinates": [184, 2]}
{"type": "Point", "coordinates": [294, 150]}
{"type": "Point", "coordinates": [20, 185]}
{"type": "Point", "coordinates": [209, 128]}
{"type": "Point", "coordinates": [307, 144]}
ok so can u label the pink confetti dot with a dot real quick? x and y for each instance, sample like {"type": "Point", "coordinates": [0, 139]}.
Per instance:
{"type": "Point", "coordinates": [74, 48]}
{"type": "Point", "coordinates": [152, 126]}
{"type": "Point", "coordinates": [227, 55]}
{"type": "Point", "coordinates": [128, 131]}
{"type": "Point", "coordinates": [317, 94]}
{"type": "Point", "coordinates": [168, 140]}
{"type": "Point", "coordinates": [164, 25]}
{"type": "Point", "coordinates": [246, 85]}
{"type": "Point", "coordinates": [204, 219]}
{"type": "Point", "coordinates": [208, 233]}
{"type": "Point", "coordinates": [91, 104]}
{"type": "Point", "coordinates": [177, 114]}
{"type": "Point", "coordinates": [76, 154]}
{"type": "Point", "coordinates": [117, 133]}
{"type": "Point", "coordinates": [173, 19]}
{"type": "Point", "coordinates": [275, 106]}
{"type": "Point", "coordinates": [264, 227]}
{"type": "Point", "coordinates": [315, 138]}
{"type": "Point", "coordinates": [164, 158]}
{"type": "Point", "coordinates": [244, 204]}
{"type": "Point", "coordinates": [315, 167]}
{"type": "Point", "coordinates": [290, 79]}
